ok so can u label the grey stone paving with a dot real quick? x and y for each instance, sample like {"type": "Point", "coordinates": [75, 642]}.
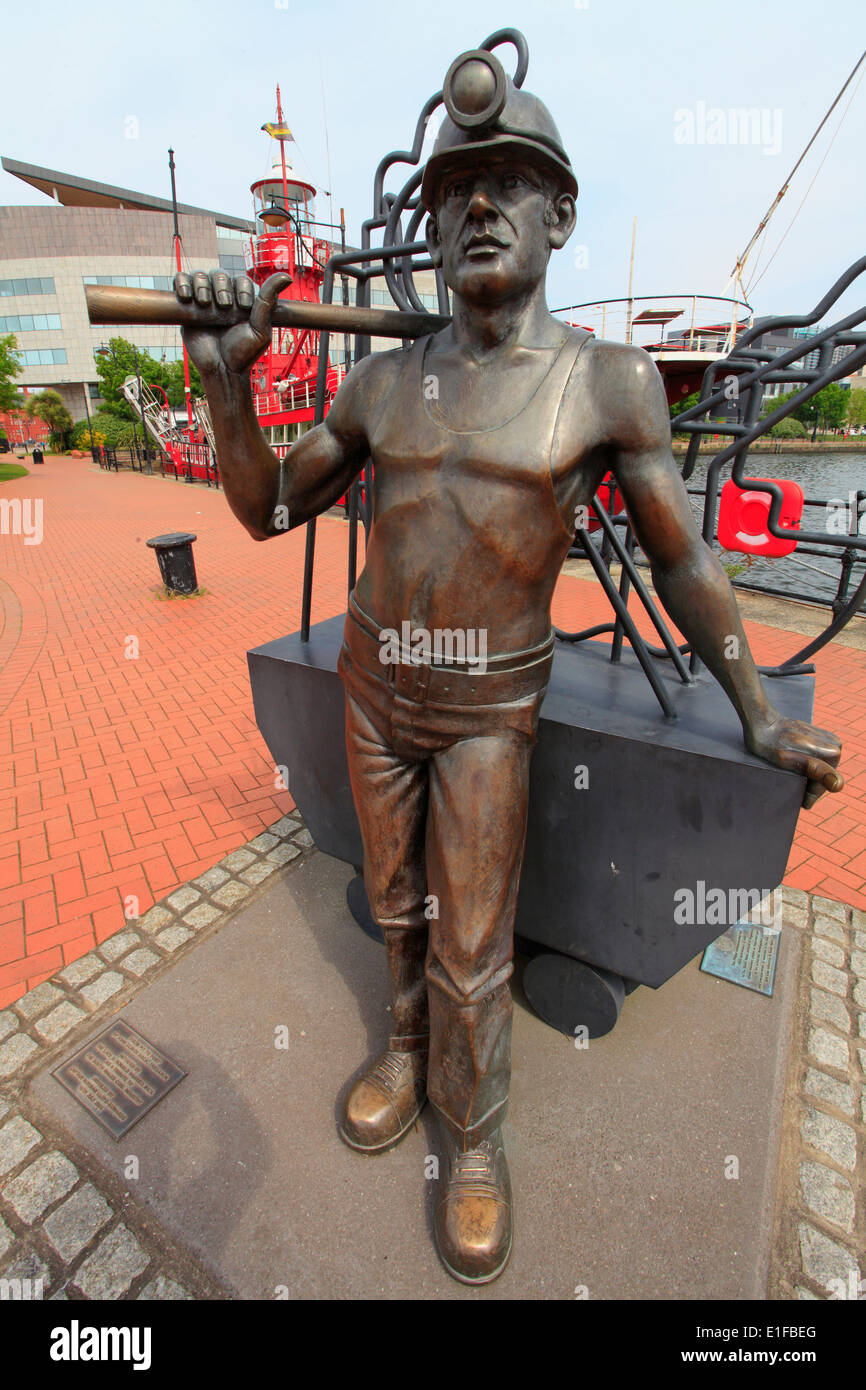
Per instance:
{"type": "Point", "coordinates": [60, 1223]}
{"type": "Point", "coordinates": [823, 1221]}
{"type": "Point", "coordinates": [74, 1224]}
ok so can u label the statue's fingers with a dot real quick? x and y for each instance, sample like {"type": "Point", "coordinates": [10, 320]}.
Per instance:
{"type": "Point", "coordinates": [825, 745]}
{"type": "Point", "coordinates": [260, 314]}
{"type": "Point", "coordinates": [821, 778]}
{"type": "Point", "coordinates": [817, 770]}
{"type": "Point", "coordinates": [221, 287]}
{"type": "Point", "coordinates": [814, 791]}
{"type": "Point", "coordinates": [183, 286]}
{"type": "Point", "coordinates": [245, 291]}
{"type": "Point", "coordinates": [201, 289]}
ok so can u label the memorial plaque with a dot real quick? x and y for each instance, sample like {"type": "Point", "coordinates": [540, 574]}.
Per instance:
{"type": "Point", "coordinates": [746, 955]}
{"type": "Point", "coordinates": [119, 1076]}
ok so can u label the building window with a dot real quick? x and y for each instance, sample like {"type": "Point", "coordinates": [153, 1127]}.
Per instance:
{"type": "Point", "coordinates": [337, 292]}
{"type": "Point", "coordinates": [230, 233]}
{"type": "Point", "coordinates": [133, 282]}
{"type": "Point", "coordinates": [382, 297]}
{"type": "Point", "coordinates": [235, 265]}
{"type": "Point", "coordinates": [29, 323]}
{"type": "Point", "coordinates": [166, 354]}
{"type": "Point", "coordinates": [34, 284]}
{"type": "Point", "coordinates": [42, 357]}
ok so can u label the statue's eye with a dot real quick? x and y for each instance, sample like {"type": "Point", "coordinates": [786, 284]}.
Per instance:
{"type": "Point", "coordinates": [511, 180]}
{"type": "Point", "coordinates": [458, 189]}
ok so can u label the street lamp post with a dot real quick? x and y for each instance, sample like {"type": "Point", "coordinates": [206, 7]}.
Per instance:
{"type": "Point", "coordinates": [141, 408]}
{"type": "Point", "coordinates": [89, 421]}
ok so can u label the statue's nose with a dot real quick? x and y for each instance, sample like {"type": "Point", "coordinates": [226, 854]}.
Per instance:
{"type": "Point", "coordinates": [481, 206]}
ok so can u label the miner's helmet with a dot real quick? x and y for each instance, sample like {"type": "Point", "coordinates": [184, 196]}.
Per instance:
{"type": "Point", "coordinates": [487, 113]}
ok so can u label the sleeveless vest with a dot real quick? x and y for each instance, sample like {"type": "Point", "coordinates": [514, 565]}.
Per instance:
{"type": "Point", "coordinates": [466, 522]}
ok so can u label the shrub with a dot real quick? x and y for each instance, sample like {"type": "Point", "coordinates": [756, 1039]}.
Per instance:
{"type": "Point", "coordinates": [789, 429]}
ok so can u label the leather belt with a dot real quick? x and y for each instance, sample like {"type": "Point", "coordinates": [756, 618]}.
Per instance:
{"type": "Point", "coordinates": [507, 677]}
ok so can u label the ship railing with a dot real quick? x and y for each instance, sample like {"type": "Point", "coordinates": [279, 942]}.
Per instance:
{"type": "Point", "coordinates": [815, 360]}
{"type": "Point", "coordinates": [703, 322]}
{"type": "Point", "coordinates": [300, 395]}
{"type": "Point", "coordinates": [192, 461]}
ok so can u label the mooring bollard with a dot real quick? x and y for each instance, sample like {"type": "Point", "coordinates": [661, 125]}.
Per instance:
{"type": "Point", "coordinates": [176, 561]}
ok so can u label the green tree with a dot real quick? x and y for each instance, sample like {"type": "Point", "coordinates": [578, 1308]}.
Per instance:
{"type": "Point", "coordinates": [772, 403]}
{"type": "Point", "coordinates": [120, 361]}
{"type": "Point", "coordinates": [828, 408]}
{"type": "Point", "coordinates": [48, 406]}
{"type": "Point", "coordinates": [174, 387]}
{"type": "Point", "coordinates": [685, 404]}
{"type": "Point", "coordinates": [832, 406]}
{"type": "Point", "coordinates": [857, 408]}
{"type": "Point", "coordinates": [10, 367]}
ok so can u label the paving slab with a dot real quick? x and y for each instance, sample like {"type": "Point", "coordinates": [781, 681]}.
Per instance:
{"type": "Point", "coordinates": [619, 1151]}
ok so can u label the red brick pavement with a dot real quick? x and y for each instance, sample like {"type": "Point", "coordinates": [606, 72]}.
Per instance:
{"type": "Point", "coordinates": [123, 776]}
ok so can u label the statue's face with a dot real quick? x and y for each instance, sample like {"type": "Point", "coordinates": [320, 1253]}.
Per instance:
{"type": "Point", "coordinates": [491, 230]}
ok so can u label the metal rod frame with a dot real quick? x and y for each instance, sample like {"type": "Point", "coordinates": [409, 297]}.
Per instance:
{"type": "Point", "coordinates": [400, 256]}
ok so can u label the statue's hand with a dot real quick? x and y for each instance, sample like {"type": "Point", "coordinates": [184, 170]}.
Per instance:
{"type": "Point", "coordinates": [235, 347]}
{"type": "Point", "coordinates": [799, 747]}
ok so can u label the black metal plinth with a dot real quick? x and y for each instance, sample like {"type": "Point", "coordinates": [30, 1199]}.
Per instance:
{"type": "Point", "coordinates": [572, 996]}
{"type": "Point", "coordinates": [625, 807]}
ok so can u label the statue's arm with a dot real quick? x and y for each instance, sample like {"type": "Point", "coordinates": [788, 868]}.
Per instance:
{"type": "Point", "coordinates": [270, 495]}
{"type": "Point", "coordinates": [688, 578]}
{"type": "Point", "coordinates": [267, 494]}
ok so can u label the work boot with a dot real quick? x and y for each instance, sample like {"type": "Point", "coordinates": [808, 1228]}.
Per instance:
{"type": "Point", "coordinates": [384, 1104]}
{"type": "Point", "coordinates": [473, 1219]}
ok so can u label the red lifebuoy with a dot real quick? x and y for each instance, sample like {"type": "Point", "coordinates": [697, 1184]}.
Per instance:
{"type": "Point", "coordinates": [743, 518]}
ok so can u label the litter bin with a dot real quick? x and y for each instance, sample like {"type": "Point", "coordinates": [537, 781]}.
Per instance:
{"type": "Point", "coordinates": [176, 561]}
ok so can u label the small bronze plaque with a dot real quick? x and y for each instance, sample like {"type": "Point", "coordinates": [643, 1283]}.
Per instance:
{"type": "Point", "coordinates": [118, 1077]}
{"type": "Point", "coordinates": [746, 955]}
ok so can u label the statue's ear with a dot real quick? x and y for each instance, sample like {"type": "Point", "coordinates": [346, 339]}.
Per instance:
{"type": "Point", "coordinates": [563, 224]}
{"type": "Point", "coordinates": [434, 243]}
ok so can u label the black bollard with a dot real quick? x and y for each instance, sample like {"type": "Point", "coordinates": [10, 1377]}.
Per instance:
{"type": "Point", "coordinates": [176, 561]}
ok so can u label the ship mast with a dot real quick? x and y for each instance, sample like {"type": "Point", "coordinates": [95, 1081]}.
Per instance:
{"type": "Point", "coordinates": [176, 240]}
{"type": "Point", "coordinates": [282, 152]}
{"type": "Point", "coordinates": [737, 273]}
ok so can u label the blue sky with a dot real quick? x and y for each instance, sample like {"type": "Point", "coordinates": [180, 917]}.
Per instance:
{"type": "Point", "coordinates": [614, 73]}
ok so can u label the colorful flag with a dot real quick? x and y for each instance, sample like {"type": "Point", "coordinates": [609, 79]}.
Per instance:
{"type": "Point", "coordinates": [279, 132]}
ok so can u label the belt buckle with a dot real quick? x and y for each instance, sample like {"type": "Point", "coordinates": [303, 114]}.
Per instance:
{"type": "Point", "coordinates": [421, 683]}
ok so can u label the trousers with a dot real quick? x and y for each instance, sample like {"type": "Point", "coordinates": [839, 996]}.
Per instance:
{"type": "Point", "coordinates": [439, 759]}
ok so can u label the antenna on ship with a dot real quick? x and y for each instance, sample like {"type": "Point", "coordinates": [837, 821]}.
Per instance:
{"type": "Point", "coordinates": [177, 241]}
{"type": "Point", "coordinates": [327, 145]}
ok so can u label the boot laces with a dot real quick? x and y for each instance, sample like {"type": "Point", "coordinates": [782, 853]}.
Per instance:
{"type": "Point", "coordinates": [475, 1165]}
{"type": "Point", "coordinates": [390, 1071]}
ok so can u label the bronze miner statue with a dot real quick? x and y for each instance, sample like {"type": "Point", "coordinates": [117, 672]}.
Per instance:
{"type": "Point", "coordinates": [485, 437]}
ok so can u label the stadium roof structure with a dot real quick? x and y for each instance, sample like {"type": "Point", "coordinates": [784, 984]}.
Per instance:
{"type": "Point", "coordinates": [72, 191]}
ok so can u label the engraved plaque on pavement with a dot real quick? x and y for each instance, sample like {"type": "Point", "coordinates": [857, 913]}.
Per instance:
{"type": "Point", "coordinates": [746, 955]}
{"type": "Point", "coordinates": [118, 1077]}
